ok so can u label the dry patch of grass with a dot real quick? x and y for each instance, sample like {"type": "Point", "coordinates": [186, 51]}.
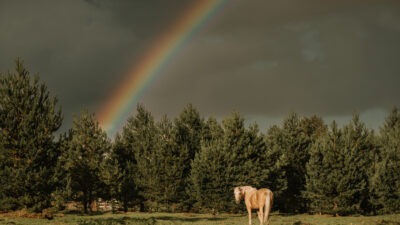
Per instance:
{"type": "Point", "coordinates": [20, 214]}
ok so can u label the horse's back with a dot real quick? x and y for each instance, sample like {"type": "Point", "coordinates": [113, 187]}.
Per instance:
{"type": "Point", "coordinates": [264, 190]}
{"type": "Point", "coordinates": [257, 198]}
{"type": "Point", "coordinates": [262, 193]}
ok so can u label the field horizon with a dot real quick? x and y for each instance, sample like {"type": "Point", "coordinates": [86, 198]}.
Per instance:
{"type": "Point", "coordinates": [22, 218]}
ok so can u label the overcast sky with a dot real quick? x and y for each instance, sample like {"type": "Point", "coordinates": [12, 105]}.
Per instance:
{"type": "Point", "coordinates": [263, 59]}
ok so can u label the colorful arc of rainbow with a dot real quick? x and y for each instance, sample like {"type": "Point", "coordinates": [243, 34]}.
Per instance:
{"type": "Point", "coordinates": [122, 101]}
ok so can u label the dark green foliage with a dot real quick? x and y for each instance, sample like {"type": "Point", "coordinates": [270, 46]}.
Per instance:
{"type": "Point", "coordinates": [156, 159]}
{"type": "Point", "coordinates": [209, 182]}
{"type": "Point", "coordinates": [291, 144]}
{"type": "Point", "coordinates": [222, 163]}
{"type": "Point", "coordinates": [171, 164]}
{"type": "Point", "coordinates": [60, 195]}
{"type": "Point", "coordinates": [212, 131]}
{"type": "Point", "coordinates": [212, 171]}
{"type": "Point", "coordinates": [188, 164]}
{"type": "Point", "coordinates": [357, 150]}
{"type": "Point", "coordinates": [28, 120]}
{"type": "Point", "coordinates": [275, 162]}
{"type": "Point", "coordinates": [85, 161]}
{"type": "Point", "coordinates": [324, 171]}
{"type": "Point", "coordinates": [338, 169]}
{"type": "Point", "coordinates": [140, 142]}
{"type": "Point", "coordinates": [246, 149]}
{"type": "Point", "coordinates": [385, 181]}
{"type": "Point", "coordinates": [187, 129]}
{"type": "Point", "coordinates": [124, 156]}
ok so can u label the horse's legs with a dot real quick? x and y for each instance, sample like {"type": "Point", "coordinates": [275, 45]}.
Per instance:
{"type": "Point", "coordinates": [260, 214]}
{"type": "Point", "coordinates": [249, 212]}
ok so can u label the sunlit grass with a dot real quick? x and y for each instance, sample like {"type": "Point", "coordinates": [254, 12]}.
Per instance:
{"type": "Point", "coordinates": [199, 219]}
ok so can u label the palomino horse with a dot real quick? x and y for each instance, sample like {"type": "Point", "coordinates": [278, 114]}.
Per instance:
{"type": "Point", "coordinates": [255, 199]}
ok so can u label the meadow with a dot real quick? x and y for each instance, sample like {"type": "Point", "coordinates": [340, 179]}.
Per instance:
{"type": "Point", "coordinates": [197, 219]}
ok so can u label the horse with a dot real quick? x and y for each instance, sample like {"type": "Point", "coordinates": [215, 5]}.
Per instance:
{"type": "Point", "coordinates": [255, 199]}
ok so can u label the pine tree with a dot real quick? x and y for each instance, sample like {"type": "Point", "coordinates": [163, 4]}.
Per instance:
{"type": "Point", "coordinates": [385, 181]}
{"type": "Point", "coordinates": [313, 127]}
{"type": "Point", "coordinates": [212, 130]}
{"type": "Point", "coordinates": [338, 170]}
{"type": "Point", "coordinates": [276, 161]}
{"type": "Point", "coordinates": [124, 156]}
{"type": "Point", "coordinates": [294, 144]}
{"type": "Point", "coordinates": [61, 194]}
{"type": "Point", "coordinates": [212, 169]}
{"type": "Point", "coordinates": [85, 160]}
{"type": "Point", "coordinates": [188, 131]}
{"type": "Point", "coordinates": [353, 188]}
{"type": "Point", "coordinates": [28, 119]}
{"type": "Point", "coordinates": [140, 140]}
{"type": "Point", "coordinates": [188, 127]}
{"type": "Point", "coordinates": [212, 178]}
{"type": "Point", "coordinates": [324, 171]}
{"type": "Point", "coordinates": [287, 153]}
{"type": "Point", "coordinates": [247, 149]}
{"type": "Point", "coordinates": [171, 166]}
{"type": "Point", "coordinates": [223, 163]}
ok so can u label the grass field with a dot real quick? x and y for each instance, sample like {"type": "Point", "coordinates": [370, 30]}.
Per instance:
{"type": "Point", "coordinates": [197, 219]}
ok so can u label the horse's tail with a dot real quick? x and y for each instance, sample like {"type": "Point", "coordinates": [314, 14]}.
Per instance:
{"type": "Point", "coordinates": [268, 204]}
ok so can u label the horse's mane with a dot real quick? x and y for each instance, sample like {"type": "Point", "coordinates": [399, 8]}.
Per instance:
{"type": "Point", "coordinates": [247, 188]}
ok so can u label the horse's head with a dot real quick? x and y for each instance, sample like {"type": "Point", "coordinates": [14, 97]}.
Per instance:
{"type": "Point", "coordinates": [238, 192]}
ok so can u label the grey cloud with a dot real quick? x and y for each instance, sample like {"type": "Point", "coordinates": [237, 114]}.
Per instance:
{"type": "Point", "coordinates": [260, 58]}
{"type": "Point", "coordinates": [318, 64]}
{"type": "Point", "coordinates": [76, 48]}
{"type": "Point", "coordinates": [312, 49]}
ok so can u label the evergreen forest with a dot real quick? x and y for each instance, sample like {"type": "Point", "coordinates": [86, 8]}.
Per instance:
{"type": "Point", "coordinates": [189, 163]}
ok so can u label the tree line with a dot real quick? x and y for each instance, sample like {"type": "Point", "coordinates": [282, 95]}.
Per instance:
{"type": "Point", "coordinates": [190, 163]}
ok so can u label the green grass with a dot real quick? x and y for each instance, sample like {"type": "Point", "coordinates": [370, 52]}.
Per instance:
{"type": "Point", "coordinates": [199, 219]}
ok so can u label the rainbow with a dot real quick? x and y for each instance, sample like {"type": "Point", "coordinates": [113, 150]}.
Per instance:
{"type": "Point", "coordinates": [149, 67]}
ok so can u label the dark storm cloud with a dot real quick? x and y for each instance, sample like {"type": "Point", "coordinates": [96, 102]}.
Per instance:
{"type": "Point", "coordinates": [260, 58]}
{"type": "Point", "coordinates": [79, 50]}
{"type": "Point", "coordinates": [330, 59]}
